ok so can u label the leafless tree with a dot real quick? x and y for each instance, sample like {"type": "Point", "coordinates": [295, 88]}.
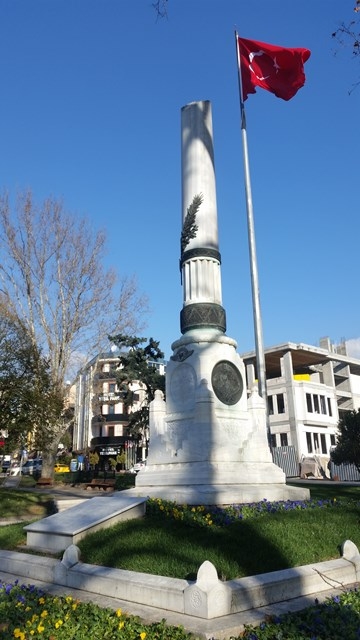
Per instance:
{"type": "Point", "coordinates": [160, 7]}
{"type": "Point", "coordinates": [348, 35]}
{"type": "Point", "coordinates": [53, 280]}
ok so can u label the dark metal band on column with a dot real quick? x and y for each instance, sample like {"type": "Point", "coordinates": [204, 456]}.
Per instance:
{"type": "Point", "coordinates": [200, 253]}
{"type": "Point", "coordinates": [202, 314]}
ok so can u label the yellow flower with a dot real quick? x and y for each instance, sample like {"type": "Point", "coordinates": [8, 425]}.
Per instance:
{"type": "Point", "coordinates": [118, 613]}
{"type": "Point", "coordinates": [121, 624]}
{"type": "Point", "coordinates": [19, 634]}
{"type": "Point", "coordinates": [28, 609]}
{"type": "Point", "coordinates": [143, 635]}
{"type": "Point", "coordinates": [58, 624]}
{"type": "Point", "coordinates": [32, 632]}
{"type": "Point", "coordinates": [41, 600]}
{"type": "Point", "coordinates": [43, 614]}
{"type": "Point", "coordinates": [40, 628]}
{"type": "Point", "coordinates": [74, 606]}
{"type": "Point", "coordinates": [66, 617]}
{"type": "Point", "coordinates": [68, 599]}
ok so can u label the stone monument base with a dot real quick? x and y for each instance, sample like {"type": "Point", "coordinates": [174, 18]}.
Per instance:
{"type": "Point", "coordinates": [206, 483]}
{"type": "Point", "coordinates": [222, 495]}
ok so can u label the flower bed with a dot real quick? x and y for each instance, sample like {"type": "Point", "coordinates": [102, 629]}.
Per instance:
{"type": "Point", "coordinates": [28, 613]}
{"type": "Point", "coordinates": [222, 516]}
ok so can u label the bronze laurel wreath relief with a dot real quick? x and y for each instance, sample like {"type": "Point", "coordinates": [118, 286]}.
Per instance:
{"type": "Point", "coordinates": [190, 227]}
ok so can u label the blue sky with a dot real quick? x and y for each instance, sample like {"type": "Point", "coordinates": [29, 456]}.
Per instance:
{"type": "Point", "coordinates": [90, 113]}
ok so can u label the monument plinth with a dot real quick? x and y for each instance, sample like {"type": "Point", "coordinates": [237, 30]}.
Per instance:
{"type": "Point", "coordinates": [208, 440]}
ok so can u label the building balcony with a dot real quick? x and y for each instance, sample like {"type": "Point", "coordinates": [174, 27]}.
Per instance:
{"type": "Point", "coordinates": [106, 375]}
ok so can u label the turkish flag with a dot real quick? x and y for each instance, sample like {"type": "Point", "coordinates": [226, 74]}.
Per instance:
{"type": "Point", "coordinates": [276, 69]}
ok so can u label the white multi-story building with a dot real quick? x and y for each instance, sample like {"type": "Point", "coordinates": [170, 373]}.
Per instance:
{"type": "Point", "coordinates": [101, 419]}
{"type": "Point", "coordinates": [308, 388]}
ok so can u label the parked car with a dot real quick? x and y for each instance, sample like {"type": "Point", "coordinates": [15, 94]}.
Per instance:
{"type": "Point", "coordinates": [5, 466]}
{"type": "Point", "coordinates": [61, 468]}
{"type": "Point", "coordinates": [32, 466]}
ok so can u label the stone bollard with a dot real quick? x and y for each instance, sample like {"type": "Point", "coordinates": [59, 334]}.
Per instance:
{"type": "Point", "coordinates": [208, 597]}
{"type": "Point", "coordinates": [70, 558]}
{"type": "Point", "coordinates": [350, 552]}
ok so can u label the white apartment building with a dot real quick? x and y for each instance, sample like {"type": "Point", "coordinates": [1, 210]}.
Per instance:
{"type": "Point", "coordinates": [101, 419]}
{"type": "Point", "coordinates": [308, 388]}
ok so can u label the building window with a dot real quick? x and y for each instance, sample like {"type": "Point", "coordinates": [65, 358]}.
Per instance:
{"type": "Point", "coordinates": [323, 404]}
{"type": "Point", "coordinates": [273, 440]}
{"type": "Point", "coordinates": [271, 407]}
{"type": "Point", "coordinates": [280, 403]}
{"type": "Point", "coordinates": [283, 440]}
{"type": "Point", "coordinates": [309, 403]}
{"type": "Point", "coordinates": [111, 432]}
{"type": "Point", "coordinates": [323, 443]}
{"type": "Point", "coordinates": [309, 442]}
{"type": "Point", "coordinates": [112, 386]}
{"type": "Point", "coordinates": [332, 440]}
{"type": "Point", "coordinates": [111, 410]}
{"type": "Point", "coordinates": [316, 404]}
{"type": "Point", "coordinates": [329, 406]}
{"type": "Point", "coordinates": [316, 442]}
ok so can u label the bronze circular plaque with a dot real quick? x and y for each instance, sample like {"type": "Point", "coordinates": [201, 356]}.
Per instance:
{"type": "Point", "coordinates": [227, 382]}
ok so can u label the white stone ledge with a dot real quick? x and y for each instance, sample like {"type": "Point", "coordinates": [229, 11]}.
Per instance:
{"type": "Point", "coordinates": [205, 598]}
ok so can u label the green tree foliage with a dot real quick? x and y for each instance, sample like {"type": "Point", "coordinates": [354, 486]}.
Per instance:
{"type": "Point", "coordinates": [348, 442]}
{"type": "Point", "coordinates": [137, 365]}
{"type": "Point", "coordinates": [30, 402]}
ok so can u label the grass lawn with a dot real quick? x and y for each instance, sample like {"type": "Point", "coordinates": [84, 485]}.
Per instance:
{"type": "Point", "coordinates": [174, 541]}
{"type": "Point", "coordinates": [173, 544]}
{"type": "Point", "coordinates": [321, 491]}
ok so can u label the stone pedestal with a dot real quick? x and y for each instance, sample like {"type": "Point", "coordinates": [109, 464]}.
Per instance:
{"type": "Point", "coordinates": [208, 441]}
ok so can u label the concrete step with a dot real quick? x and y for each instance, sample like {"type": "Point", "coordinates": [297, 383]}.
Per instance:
{"type": "Point", "coordinates": [71, 524]}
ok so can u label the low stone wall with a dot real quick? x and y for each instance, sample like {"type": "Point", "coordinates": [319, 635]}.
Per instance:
{"type": "Point", "coordinates": [206, 598]}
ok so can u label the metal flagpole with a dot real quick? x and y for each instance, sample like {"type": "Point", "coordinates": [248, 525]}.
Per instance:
{"type": "Point", "coordinates": [260, 356]}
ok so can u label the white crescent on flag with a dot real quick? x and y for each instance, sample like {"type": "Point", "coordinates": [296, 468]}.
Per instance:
{"type": "Point", "coordinates": [252, 55]}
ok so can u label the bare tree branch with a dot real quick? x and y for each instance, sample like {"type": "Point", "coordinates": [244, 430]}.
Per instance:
{"type": "Point", "coordinates": [53, 281]}
{"type": "Point", "coordinates": [348, 35]}
{"type": "Point", "coordinates": [160, 7]}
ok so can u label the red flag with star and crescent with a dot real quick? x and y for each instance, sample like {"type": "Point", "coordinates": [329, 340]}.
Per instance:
{"type": "Point", "coordinates": [277, 69]}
